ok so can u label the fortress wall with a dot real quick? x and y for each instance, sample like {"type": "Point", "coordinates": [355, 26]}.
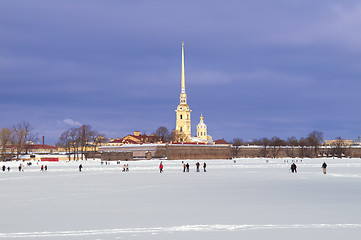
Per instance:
{"type": "Point", "coordinates": [115, 156]}
{"type": "Point", "coordinates": [296, 152]}
{"type": "Point", "coordinates": [179, 152]}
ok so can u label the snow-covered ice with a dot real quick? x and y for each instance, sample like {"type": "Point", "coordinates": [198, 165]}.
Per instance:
{"type": "Point", "coordinates": [249, 199]}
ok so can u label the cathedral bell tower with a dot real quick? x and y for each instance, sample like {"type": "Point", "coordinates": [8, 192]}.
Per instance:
{"type": "Point", "coordinates": [183, 113]}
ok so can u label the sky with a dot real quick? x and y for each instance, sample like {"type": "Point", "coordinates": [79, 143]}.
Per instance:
{"type": "Point", "coordinates": [254, 68]}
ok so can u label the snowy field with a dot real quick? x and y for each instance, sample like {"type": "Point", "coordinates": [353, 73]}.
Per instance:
{"type": "Point", "coordinates": [249, 199]}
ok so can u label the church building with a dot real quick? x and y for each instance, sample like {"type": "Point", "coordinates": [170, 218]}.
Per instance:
{"type": "Point", "coordinates": [183, 129]}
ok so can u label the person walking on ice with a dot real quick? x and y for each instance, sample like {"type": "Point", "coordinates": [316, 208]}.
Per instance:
{"type": "Point", "coordinates": [197, 165]}
{"type": "Point", "coordinates": [293, 168]}
{"type": "Point", "coordinates": [80, 167]}
{"type": "Point", "coordinates": [324, 166]}
{"type": "Point", "coordinates": [161, 167]}
{"type": "Point", "coordinates": [204, 167]}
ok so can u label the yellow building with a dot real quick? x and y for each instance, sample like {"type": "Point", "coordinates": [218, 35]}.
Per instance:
{"type": "Point", "coordinates": [183, 113]}
{"type": "Point", "coordinates": [202, 129]}
{"type": "Point", "coordinates": [339, 142]}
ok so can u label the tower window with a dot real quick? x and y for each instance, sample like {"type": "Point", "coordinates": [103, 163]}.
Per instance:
{"type": "Point", "coordinates": [180, 116]}
{"type": "Point", "coordinates": [181, 129]}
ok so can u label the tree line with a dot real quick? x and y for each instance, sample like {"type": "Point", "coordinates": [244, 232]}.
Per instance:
{"type": "Point", "coordinates": [308, 146]}
{"type": "Point", "coordinates": [78, 140]}
{"type": "Point", "coordinates": [19, 137]}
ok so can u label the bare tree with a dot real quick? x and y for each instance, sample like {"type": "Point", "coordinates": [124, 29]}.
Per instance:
{"type": "Point", "coordinates": [276, 143]}
{"type": "Point", "coordinates": [65, 142]}
{"type": "Point", "coordinates": [338, 147]}
{"type": "Point", "coordinates": [178, 136]}
{"type": "Point", "coordinates": [97, 139]}
{"type": "Point", "coordinates": [291, 142]}
{"type": "Point", "coordinates": [162, 134]}
{"type": "Point", "coordinates": [6, 138]}
{"type": "Point", "coordinates": [304, 148]}
{"type": "Point", "coordinates": [237, 144]}
{"type": "Point", "coordinates": [315, 139]}
{"type": "Point", "coordinates": [23, 135]}
{"type": "Point", "coordinates": [78, 140]}
{"type": "Point", "coordinates": [75, 138]}
{"type": "Point", "coordinates": [265, 143]}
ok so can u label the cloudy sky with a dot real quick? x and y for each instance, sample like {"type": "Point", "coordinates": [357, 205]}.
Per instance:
{"type": "Point", "coordinates": [254, 68]}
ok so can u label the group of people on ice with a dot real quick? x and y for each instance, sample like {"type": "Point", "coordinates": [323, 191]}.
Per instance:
{"type": "Point", "coordinates": [125, 168]}
{"type": "Point", "coordinates": [44, 168]}
{"type": "Point", "coordinates": [4, 168]}
{"type": "Point", "coordinates": [198, 165]}
{"type": "Point", "coordinates": [185, 167]}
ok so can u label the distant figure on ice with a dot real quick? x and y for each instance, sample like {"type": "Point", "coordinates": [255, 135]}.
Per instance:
{"type": "Point", "coordinates": [324, 166]}
{"type": "Point", "coordinates": [4, 168]}
{"type": "Point", "coordinates": [197, 165]}
{"type": "Point", "coordinates": [293, 168]}
{"type": "Point", "coordinates": [124, 168]}
{"type": "Point", "coordinates": [161, 167]}
{"type": "Point", "coordinates": [42, 168]}
{"type": "Point", "coordinates": [204, 167]}
{"type": "Point", "coordinates": [46, 168]}
{"type": "Point", "coordinates": [127, 168]}
{"type": "Point", "coordinates": [80, 167]}
{"type": "Point", "coordinates": [187, 167]}
{"type": "Point", "coordinates": [8, 169]}
{"type": "Point", "coordinates": [20, 168]}
{"type": "Point", "coordinates": [184, 167]}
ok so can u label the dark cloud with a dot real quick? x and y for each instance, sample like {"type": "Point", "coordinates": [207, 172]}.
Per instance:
{"type": "Point", "coordinates": [254, 68]}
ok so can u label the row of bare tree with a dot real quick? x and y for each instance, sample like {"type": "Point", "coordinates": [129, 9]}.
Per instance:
{"type": "Point", "coordinates": [77, 141]}
{"type": "Point", "coordinates": [17, 139]}
{"type": "Point", "coordinates": [272, 146]}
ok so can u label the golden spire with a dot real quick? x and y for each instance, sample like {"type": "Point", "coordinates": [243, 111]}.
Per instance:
{"type": "Point", "coordinates": [183, 84]}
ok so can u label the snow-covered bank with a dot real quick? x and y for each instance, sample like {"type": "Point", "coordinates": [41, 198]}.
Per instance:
{"type": "Point", "coordinates": [249, 199]}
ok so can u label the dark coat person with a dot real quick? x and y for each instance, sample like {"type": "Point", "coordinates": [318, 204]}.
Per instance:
{"type": "Point", "coordinates": [324, 166]}
{"type": "Point", "coordinates": [293, 168]}
{"type": "Point", "coordinates": [197, 165]}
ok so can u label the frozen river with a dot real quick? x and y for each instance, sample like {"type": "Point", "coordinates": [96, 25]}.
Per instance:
{"type": "Point", "coordinates": [246, 199]}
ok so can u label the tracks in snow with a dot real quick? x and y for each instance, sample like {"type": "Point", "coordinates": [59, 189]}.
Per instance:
{"type": "Point", "coordinates": [181, 228]}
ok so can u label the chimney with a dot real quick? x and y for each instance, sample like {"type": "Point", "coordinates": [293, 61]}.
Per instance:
{"type": "Point", "coordinates": [83, 132]}
{"type": "Point", "coordinates": [43, 140]}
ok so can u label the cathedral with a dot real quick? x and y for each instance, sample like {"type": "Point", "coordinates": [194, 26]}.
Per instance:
{"type": "Point", "coordinates": [183, 117]}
